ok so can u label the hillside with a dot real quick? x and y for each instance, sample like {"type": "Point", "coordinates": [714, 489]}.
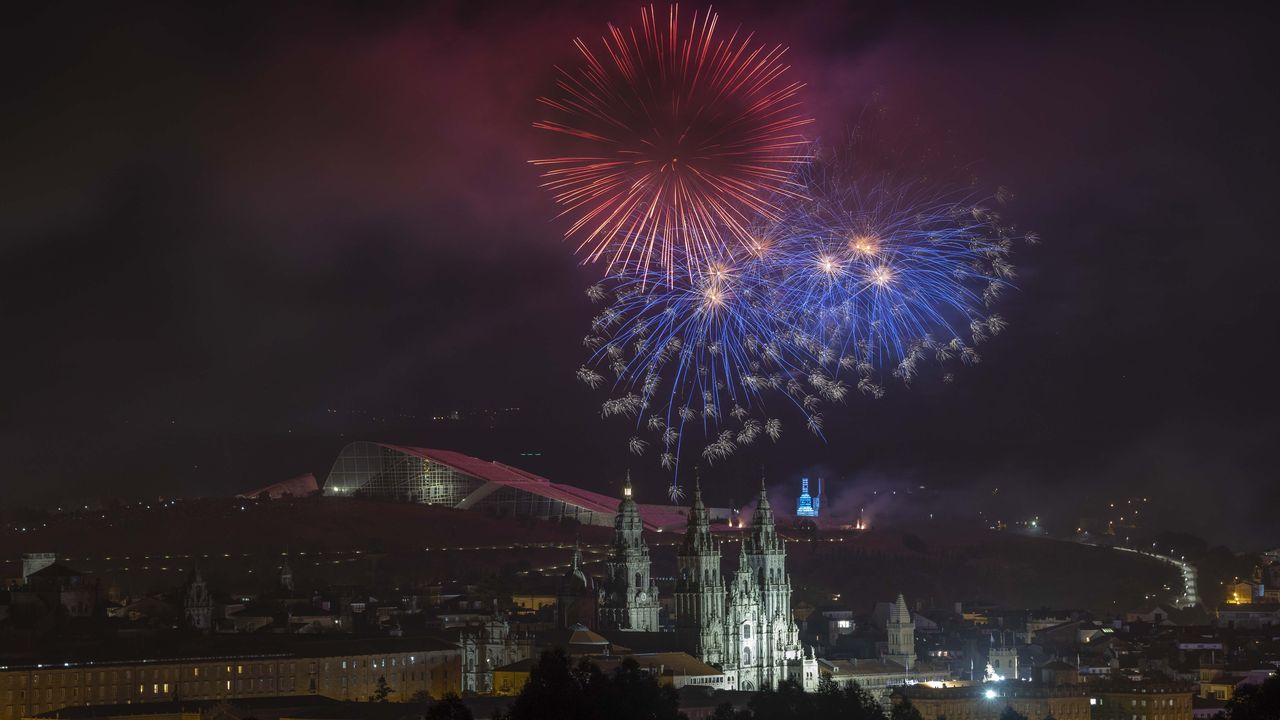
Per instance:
{"type": "Point", "coordinates": [239, 545]}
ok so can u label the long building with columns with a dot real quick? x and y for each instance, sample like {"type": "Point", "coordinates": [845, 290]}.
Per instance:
{"type": "Point", "coordinates": [342, 669]}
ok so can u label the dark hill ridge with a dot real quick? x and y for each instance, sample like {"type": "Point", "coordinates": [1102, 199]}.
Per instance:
{"type": "Point", "coordinates": [239, 544]}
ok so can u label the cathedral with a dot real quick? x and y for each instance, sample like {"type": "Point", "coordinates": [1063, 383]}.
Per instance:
{"type": "Point", "coordinates": [741, 624]}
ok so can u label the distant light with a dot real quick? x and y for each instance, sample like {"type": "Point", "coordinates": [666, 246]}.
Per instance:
{"type": "Point", "coordinates": [990, 694]}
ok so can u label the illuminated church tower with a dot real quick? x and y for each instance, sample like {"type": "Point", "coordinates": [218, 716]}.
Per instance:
{"type": "Point", "coordinates": [902, 635]}
{"type": "Point", "coordinates": [198, 604]}
{"type": "Point", "coordinates": [764, 559]}
{"type": "Point", "coordinates": [700, 592]}
{"type": "Point", "coordinates": [629, 598]}
{"type": "Point", "coordinates": [743, 626]}
{"type": "Point", "coordinates": [807, 506]}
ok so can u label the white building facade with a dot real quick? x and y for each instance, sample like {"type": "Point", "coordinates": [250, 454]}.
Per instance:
{"type": "Point", "coordinates": [743, 626]}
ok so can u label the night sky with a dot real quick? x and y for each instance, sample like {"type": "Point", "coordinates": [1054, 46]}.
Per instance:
{"type": "Point", "coordinates": [234, 238]}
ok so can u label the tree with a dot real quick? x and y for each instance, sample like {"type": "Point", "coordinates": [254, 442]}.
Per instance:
{"type": "Point", "coordinates": [788, 701]}
{"type": "Point", "coordinates": [906, 711]}
{"type": "Point", "coordinates": [1255, 702]}
{"type": "Point", "coordinates": [559, 689]}
{"type": "Point", "coordinates": [381, 692]}
{"type": "Point", "coordinates": [450, 707]}
{"type": "Point", "coordinates": [1010, 714]}
{"type": "Point", "coordinates": [847, 703]}
{"type": "Point", "coordinates": [726, 711]}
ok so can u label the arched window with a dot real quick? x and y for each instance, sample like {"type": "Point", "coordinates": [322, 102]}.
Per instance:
{"type": "Point", "coordinates": [746, 631]}
{"type": "Point", "coordinates": [746, 656]}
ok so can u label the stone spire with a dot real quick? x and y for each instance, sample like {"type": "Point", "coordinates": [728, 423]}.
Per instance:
{"type": "Point", "coordinates": [764, 513]}
{"type": "Point", "coordinates": [198, 604]}
{"type": "Point", "coordinates": [697, 536]}
{"type": "Point", "coordinates": [900, 613]}
{"type": "Point", "coordinates": [630, 597]}
{"type": "Point", "coordinates": [901, 631]}
{"type": "Point", "coordinates": [286, 574]}
{"type": "Point", "coordinates": [575, 582]}
{"type": "Point", "coordinates": [764, 534]}
{"type": "Point", "coordinates": [627, 524]}
{"type": "Point", "coordinates": [575, 602]}
{"type": "Point", "coordinates": [700, 591]}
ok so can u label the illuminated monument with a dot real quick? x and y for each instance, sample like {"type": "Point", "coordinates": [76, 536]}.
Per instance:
{"type": "Point", "coordinates": [806, 506]}
{"type": "Point", "coordinates": [742, 622]}
{"type": "Point", "coordinates": [628, 596]}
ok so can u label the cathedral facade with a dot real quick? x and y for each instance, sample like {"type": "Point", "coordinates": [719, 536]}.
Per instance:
{"type": "Point", "coordinates": [741, 623]}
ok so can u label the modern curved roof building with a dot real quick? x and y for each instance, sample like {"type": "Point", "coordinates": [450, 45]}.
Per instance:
{"type": "Point", "coordinates": [462, 482]}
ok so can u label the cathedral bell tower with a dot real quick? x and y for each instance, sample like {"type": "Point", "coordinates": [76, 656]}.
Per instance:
{"type": "Point", "coordinates": [629, 598]}
{"type": "Point", "coordinates": [901, 630]}
{"type": "Point", "coordinates": [700, 591]}
{"type": "Point", "coordinates": [766, 556]}
{"type": "Point", "coordinates": [197, 606]}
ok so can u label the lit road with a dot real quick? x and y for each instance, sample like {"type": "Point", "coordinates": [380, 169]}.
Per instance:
{"type": "Point", "coordinates": [1189, 595]}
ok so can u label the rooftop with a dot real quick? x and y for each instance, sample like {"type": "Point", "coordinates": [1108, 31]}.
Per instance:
{"type": "Point", "coordinates": [226, 647]}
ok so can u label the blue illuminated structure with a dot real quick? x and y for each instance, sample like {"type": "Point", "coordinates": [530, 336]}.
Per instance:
{"type": "Point", "coordinates": [807, 506]}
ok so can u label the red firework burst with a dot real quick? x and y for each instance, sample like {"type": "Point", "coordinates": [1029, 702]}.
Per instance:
{"type": "Point", "coordinates": [683, 140]}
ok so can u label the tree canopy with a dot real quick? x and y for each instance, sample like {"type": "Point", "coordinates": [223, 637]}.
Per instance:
{"type": "Point", "coordinates": [1256, 702]}
{"type": "Point", "coordinates": [559, 689]}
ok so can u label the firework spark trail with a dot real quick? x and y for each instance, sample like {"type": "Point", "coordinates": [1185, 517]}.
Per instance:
{"type": "Point", "coordinates": [887, 269]}
{"type": "Point", "coordinates": [867, 279]}
{"type": "Point", "coordinates": [686, 140]}
{"type": "Point", "coordinates": [738, 265]}
{"type": "Point", "coordinates": [697, 352]}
